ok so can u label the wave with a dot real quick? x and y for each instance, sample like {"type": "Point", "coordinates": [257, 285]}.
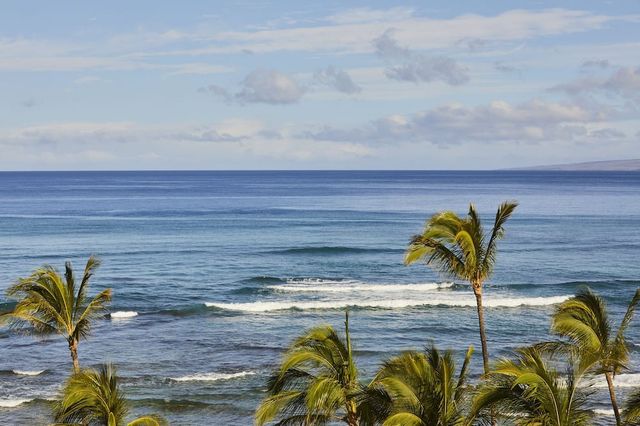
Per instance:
{"type": "Point", "coordinates": [264, 279]}
{"type": "Point", "coordinates": [13, 402]}
{"type": "Point", "coordinates": [333, 250]}
{"type": "Point", "coordinates": [627, 380]}
{"type": "Point", "coordinates": [345, 287]}
{"type": "Point", "coordinates": [123, 314]}
{"type": "Point", "coordinates": [28, 372]}
{"type": "Point", "coordinates": [212, 377]}
{"type": "Point", "coordinates": [456, 301]}
{"type": "Point", "coordinates": [602, 412]}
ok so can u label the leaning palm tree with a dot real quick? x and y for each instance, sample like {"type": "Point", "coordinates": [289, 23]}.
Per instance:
{"type": "Point", "coordinates": [94, 397]}
{"type": "Point", "coordinates": [584, 320]}
{"type": "Point", "coordinates": [48, 303]}
{"type": "Point", "coordinates": [458, 247]}
{"type": "Point", "coordinates": [631, 413]}
{"type": "Point", "coordinates": [317, 382]}
{"type": "Point", "coordinates": [527, 390]}
{"type": "Point", "coordinates": [418, 389]}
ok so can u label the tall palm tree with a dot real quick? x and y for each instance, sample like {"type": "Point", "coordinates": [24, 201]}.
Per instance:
{"type": "Point", "coordinates": [94, 397]}
{"type": "Point", "coordinates": [584, 320]}
{"type": "Point", "coordinates": [631, 413]}
{"type": "Point", "coordinates": [49, 303]}
{"type": "Point", "coordinates": [418, 389]}
{"type": "Point", "coordinates": [529, 391]}
{"type": "Point", "coordinates": [458, 247]}
{"type": "Point", "coordinates": [317, 382]}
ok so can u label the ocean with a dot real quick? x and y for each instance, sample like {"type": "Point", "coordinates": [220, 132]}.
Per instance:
{"type": "Point", "coordinates": [214, 273]}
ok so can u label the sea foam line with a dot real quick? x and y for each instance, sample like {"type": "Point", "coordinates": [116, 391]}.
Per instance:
{"type": "Point", "coordinates": [28, 372]}
{"type": "Point", "coordinates": [123, 314]}
{"type": "Point", "coordinates": [627, 380]}
{"type": "Point", "coordinates": [13, 402]}
{"type": "Point", "coordinates": [345, 287]}
{"type": "Point", "coordinates": [506, 302]}
{"type": "Point", "coordinates": [212, 377]}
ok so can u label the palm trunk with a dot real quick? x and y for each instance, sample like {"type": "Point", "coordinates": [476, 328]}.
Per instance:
{"type": "Point", "coordinates": [612, 394]}
{"type": "Point", "coordinates": [73, 348]}
{"type": "Point", "coordinates": [477, 290]}
{"type": "Point", "coordinates": [352, 415]}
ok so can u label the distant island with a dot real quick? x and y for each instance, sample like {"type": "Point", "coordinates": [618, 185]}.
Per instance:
{"type": "Point", "coordinates": [614, 165]}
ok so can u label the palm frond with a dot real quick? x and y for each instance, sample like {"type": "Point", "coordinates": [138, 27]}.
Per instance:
{"type": "Point", "coordinates": [317, 379]}
{"type": "Point", "coordinates": [631, 413]}
{"type": "Point", "coordinates": [503, 214]}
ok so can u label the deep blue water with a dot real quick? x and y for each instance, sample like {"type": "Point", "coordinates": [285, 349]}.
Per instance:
{"type": "Point", "coordinates": [225, 268]}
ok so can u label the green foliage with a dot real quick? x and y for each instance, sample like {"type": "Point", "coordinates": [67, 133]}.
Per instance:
{"type": "Point", "coordinates": [584, 320]}
{"type": "Point", "coordinates": [631, 413]}
{"type": "Point", "coordinates": [94, 397]}
{"type": "Point", "coordinates": [457, 246]}
{"type": "Point", "coordinates": [529, 390]}
{"type": "Point", "coordinates": [317, 381]}
{"type": "Point", "coordinates": [49, 303]}
{"type": "Point", "coordinates": [417, 388]}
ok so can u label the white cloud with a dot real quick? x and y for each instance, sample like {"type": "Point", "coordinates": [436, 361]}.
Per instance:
{"type": "Point", "coordinates": [261, 86]}
{"type": "Point", "coordinates": [499, 121]}
{"type": "Point", "coordinates": [366, 14]}
{"type": "Point", "coordinates": [355, 34]}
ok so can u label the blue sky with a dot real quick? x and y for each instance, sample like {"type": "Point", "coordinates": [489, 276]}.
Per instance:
{"type": "Point", "coordinates": [324, 85]}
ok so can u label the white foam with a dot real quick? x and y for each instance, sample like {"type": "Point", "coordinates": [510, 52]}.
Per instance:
{"type": "Point", "coordinates": [212, 377]}
{"type": "Point", "coordinates": [123, 314]}
{"type": "Point", "coordinates": [601, 412]}
{"type": "Point", "coordinates": [347, 287]}
{"type": "Point", "coordinates": [28, 372]}
{"type": "Point", "coordinates": [10, 402]}
{"type": "Point", "coordinates": [452, 300]}
{"type": "Point", "coordinates": [627, 380]}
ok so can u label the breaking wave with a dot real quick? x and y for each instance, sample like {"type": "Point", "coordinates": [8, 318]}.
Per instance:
{"type": "Point", "coordinates": [28, 372]}
{"type": "Point", "coordinates": [123, 314]}
{"type": "Point", "coordinates": [322, 286]}
{"type": "Point", "coordinates": [212, 377]}
{"type": "Point", "coordinates": [13, 402]}
{"type": "Point", "coordinates": [452, 301]}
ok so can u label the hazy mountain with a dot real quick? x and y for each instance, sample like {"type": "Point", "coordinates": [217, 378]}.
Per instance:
{"type": "Point", "coordinates": [615, 165]}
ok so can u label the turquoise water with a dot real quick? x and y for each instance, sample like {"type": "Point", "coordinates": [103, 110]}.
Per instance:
{"type": "Point", "coordinates": [224, 268]}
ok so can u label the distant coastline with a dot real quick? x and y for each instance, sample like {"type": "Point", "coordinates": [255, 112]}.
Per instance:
{"type": "Point", "coordinates": [614, 165]}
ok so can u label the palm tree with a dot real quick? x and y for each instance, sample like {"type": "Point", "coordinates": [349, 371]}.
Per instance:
{"type": "Point", "coordinates": [530, 392]}
{"type": "Point", "coordinates": [584, 320]}
{"type": "Point", "coordinates": [631, 413]}
{"type": "Point", "coordinates": [458, 247]}
{"type": "Point", "coordinates": [418, 389]}
{"type": "Point", "coordinates": [317, 382]}
{"type": "Point", "coordinates": [94, 397]}
{"type": "Point", "coordinates": [49, 303]}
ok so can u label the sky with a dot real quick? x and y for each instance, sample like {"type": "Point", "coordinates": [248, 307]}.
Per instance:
{"type": "Point", "coordinates": [245, 84]}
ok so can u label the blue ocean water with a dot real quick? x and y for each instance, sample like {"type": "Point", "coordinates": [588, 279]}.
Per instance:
{"type": "Point", "coordinates": [224, 269]}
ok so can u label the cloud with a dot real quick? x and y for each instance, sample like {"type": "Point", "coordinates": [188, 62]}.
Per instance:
{"type": "Point", "coordinates": [530, 122]}
{"type": "Point", "coordinates": [270, 87]}
{"type": "Point", "coordinates": [352, 32]}
{"type": "Point", "coordinates": [596, 63]}
{"type": "Point", "coordinates": [125, 145]}
{"type": "Point", "coordinates": [417, 67]}
{"type": "Point", "coordinates": [366, 14]}
{"type": "Point", "coordinates": [505, 68]}
{"type": "Point", "coordinates": [261, 86]}
{"type": "Point", "coordinates": [29, 103]}
{"type": "Point", "coordinates": [336, 79]}
{"type": "Point", "coordinates": [624, 82]}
